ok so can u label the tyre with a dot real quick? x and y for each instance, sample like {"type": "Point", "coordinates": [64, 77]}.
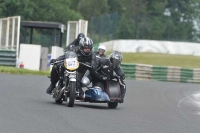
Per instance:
{"type": "Point", "coordinates": [112, 105]}
{"type": "Point", "coordinates": [71, 96]}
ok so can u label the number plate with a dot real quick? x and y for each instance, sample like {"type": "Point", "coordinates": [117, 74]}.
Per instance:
{"type": "Point", "coordinates": [71, 63]}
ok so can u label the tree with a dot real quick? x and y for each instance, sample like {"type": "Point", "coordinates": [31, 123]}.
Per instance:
{"type": "Point", "coordinates": [40, 10]}
{"type": "Point", "coordinates": [89, 8]}
{"type": "Point", "coordinates": [131, 15]}
{"type": "Point", "coordinates": [154, 23]}
{"type": "Point", "coordinates": [16, 8]}
{"type": "Point", "coordinates": [138, 19]}
{"type": "Point", "coordinates": [183, 15]}
{"type": "Point", "coordinates": [114, 6]}
{"type": "Point", "coordinates": [54, 10]}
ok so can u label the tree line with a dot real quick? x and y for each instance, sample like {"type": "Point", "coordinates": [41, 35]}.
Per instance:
{"type": "Point", "coordinates": [174, 20]}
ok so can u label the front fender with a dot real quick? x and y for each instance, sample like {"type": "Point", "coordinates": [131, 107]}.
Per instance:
{"type": "Point", "coordinates": [72, 79]}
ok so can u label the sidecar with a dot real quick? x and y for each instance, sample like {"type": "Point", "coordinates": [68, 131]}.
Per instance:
{"type": "Point", "coordinates": [107, 92]}
{"type": "Point", "coordinates": [97, 95]}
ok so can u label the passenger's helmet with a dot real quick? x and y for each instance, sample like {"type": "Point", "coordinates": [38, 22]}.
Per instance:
{"type": "Point", "coordinates": [86, 43]}
{"type": "Point", "coordinates": [102, 47]}
{"type": "Point", "coordinates": [80, 36]}
{"type": "Point", "coordinates": [116, 58]}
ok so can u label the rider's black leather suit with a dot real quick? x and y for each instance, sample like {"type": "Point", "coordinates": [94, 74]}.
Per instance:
{"type": "Point", "coordinates": [75, 43]}
{"type": "Point", "coordinates": [100, 56]}
{"type": "Point", "coordinates": [105, 69]}
{"type": "Point", "coordinates": [91, 59]}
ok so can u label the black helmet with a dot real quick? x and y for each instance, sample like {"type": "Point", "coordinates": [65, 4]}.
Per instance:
{"type": "Point", "coordinates": [116, 58]}
{"type": "Point", "coordinates": [85, 43]}
{"type": "Point", "coordinates": [80, 36]}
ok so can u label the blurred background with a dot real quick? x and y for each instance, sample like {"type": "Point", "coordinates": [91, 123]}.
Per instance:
{"type": "Point", "coordinates": [171, 20]}
{"type": "Point", "coordinates": [137, 28]}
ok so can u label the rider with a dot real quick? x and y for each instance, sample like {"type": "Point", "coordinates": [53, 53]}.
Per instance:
{"type": "Point", "coordinates": [109, 68]}
{"type": "Point", "coordinates": [85, 55]}
{"type": "Point", "coordinates": [101, 51]}
{"type": "Point", "coordinates": [75, 43]}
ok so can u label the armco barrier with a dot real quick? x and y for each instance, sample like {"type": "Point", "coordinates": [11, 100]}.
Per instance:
{"type": "Point", "coordinates": [7, 58]}
{"type": "Point", "coordinates": [149, 72]}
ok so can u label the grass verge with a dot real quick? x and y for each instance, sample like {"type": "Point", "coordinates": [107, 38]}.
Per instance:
{"type": "Point", "coordinates": [13, 70]}
{"type": "Point", "coordinates": [183, 61]}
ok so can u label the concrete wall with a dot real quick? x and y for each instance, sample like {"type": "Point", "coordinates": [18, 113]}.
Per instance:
{"type": "Point", "coordinates": [43, 58]}
{"type": "Point", "coordinates": [30, 56]}
{"type": "Point", "coordinates": [56, 52]}
{"type": "Point", "coordinates": [35, 57]}
{"type": "Point", "coordinates": [154, 46]}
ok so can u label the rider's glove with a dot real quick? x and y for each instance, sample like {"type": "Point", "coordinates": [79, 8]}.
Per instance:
{"type": "Point", "coordinates": [52, 61]}
{"type": "Point", "coordinates": [87, 63]}
{"type": "Point", "coordinates": [105, 78]}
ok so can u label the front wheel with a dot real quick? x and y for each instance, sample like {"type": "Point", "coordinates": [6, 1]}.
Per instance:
{"type": "Point", "coordinates": [71, 95]}
{"type": "Point", "coordinates": [112, 104]}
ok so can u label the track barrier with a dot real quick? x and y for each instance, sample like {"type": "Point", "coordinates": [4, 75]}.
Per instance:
{"type": "Point", "coordinates": [160, 73]}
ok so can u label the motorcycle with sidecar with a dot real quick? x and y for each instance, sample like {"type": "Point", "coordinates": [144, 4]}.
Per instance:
{"type": "Point", "coordinates": [65, 90]}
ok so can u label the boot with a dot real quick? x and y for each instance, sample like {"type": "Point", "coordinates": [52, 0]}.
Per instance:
{"type": "Point", "coordinates": [123, 94]}
{"type": "Point", "coordinates": [50, 88]}
{"type": "Point", "coordinates": [81, 94]}
{"type": "Point", "coordinates": [80, 90]}
{"type": "Point", "coordinates": [122, 99]}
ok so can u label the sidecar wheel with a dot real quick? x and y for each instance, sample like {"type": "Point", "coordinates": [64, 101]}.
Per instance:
{"type": "Point", "coordinates": [112, 105]}
{"type": "Point", "coordinates": [71, 97]}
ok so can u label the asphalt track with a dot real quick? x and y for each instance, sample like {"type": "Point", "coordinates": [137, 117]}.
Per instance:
{"type": "Point", "coordinates": [150, 107]}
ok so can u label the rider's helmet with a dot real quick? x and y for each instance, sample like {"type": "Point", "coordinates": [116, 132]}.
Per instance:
{"type": "Point", "coordinates": [80, 36]}
{"type": "Point", "coordinates": [102, 47]}
{"type": "Point", "coordinates": [85, 46]}
{"type": "Point", "coordinates": [115, 58]}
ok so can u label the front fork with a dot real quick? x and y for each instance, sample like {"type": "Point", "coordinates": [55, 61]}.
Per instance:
{"type": "Point", "coordinates": [69, 77]}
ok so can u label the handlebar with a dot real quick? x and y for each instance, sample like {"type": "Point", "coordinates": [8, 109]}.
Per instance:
{"type": "Point", "coordinates": [60, 61]}
{"type": "Point", "coordinates": [85, 64]}
{"type": "Point", "coordinates": [56, 62]}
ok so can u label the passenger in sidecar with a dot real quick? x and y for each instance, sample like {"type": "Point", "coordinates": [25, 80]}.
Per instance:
{"type": "Point", "coordinates": [103, 92]}
{"type": "Point", "coordinates": [110, 78]}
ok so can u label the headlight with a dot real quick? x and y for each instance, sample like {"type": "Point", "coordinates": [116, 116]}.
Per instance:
{"type": "Point", "coordinates": [71, 64]}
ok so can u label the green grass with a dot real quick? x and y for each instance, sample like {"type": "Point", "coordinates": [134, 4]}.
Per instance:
{"type": "Point", "coordinates": [21, 71]}
{"type": "Point", "coordinates": [184, 61]}
{"type": "Point", "coordinates": [136, 58]}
